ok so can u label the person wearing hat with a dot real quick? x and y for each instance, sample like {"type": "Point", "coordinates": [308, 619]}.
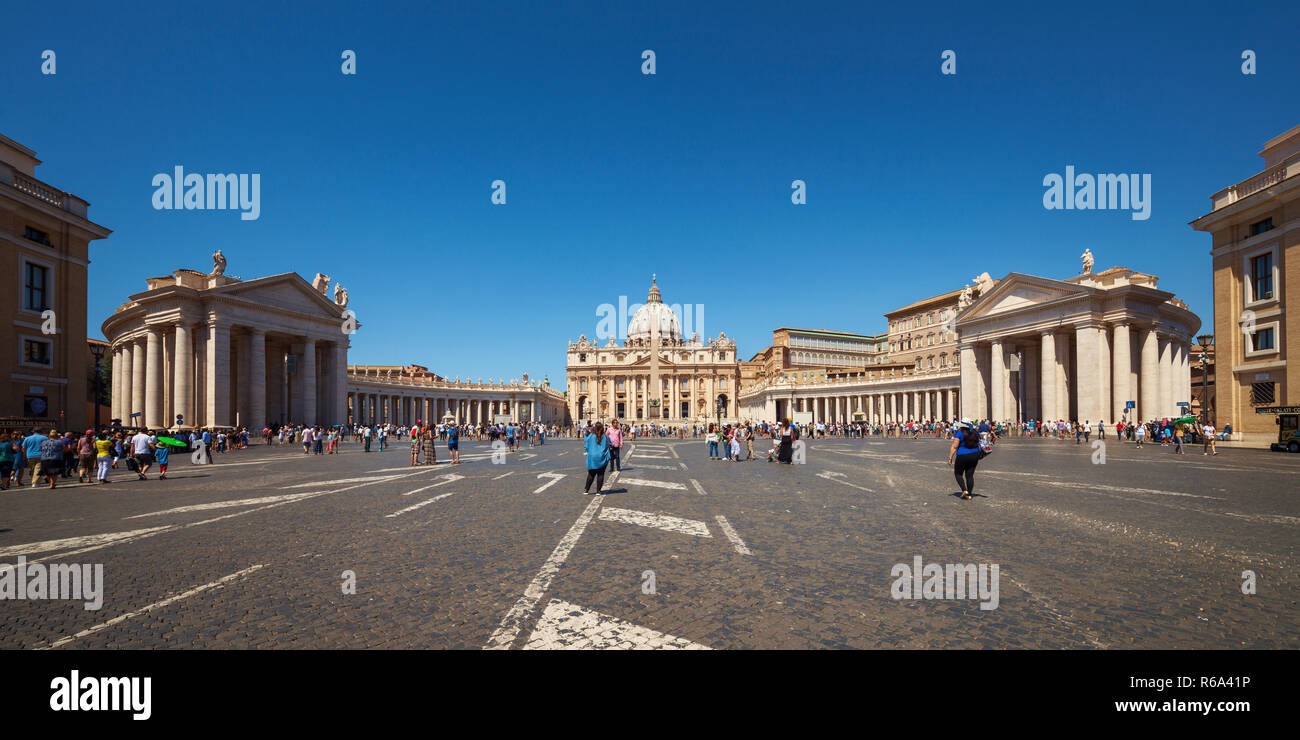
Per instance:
{"type": "Point", "coordinates": [964, 455]}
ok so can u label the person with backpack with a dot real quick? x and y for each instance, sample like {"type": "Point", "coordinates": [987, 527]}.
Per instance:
{"type": "Point", "coordinates": [964, 455]}
{"type": "Point", "coordinates": [597, 447]}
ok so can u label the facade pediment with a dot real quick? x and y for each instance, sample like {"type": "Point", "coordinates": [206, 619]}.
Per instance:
{"type": "Point", "coordinates": [1016, 292]}
{"type": "Point", "coordinates": [287, 291]}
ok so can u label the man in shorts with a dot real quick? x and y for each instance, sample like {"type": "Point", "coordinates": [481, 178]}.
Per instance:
{"type": "Point", "coordinates": [453, 444]}
{"type": "Point", "coordinates": [142, 445]}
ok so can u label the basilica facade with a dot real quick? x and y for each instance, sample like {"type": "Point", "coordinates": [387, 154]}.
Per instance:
{"type": "Point", "coordinates": [655, 375]}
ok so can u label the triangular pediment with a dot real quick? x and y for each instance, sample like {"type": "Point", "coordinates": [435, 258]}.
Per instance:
{"type": "Point", "coordinates": [1017, 292]}
{"type": "Point", "coordinates": [288, 291]}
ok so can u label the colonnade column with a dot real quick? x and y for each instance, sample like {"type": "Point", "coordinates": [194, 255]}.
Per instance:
{"type": "Point", "coordinates": [1047, 378]}
{"type": "Point", "coordinates": [1149, 377]}
{"type": "Point", "coordinates": [183, 381]}
{"type": "Point", "coordinates": [217, 370]}
{"type": "Point", "coordinates": [1121, 357]}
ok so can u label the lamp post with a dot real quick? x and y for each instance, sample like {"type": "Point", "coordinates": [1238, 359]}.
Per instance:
{"type": "Point", "coordinates": [98, 351]}
{"type": "Point", "coordinates": [720, 403]}
{"type": "Point", "coordinates": [1206, 341]}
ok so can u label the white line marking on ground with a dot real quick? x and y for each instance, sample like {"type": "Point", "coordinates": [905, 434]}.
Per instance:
{"type": "Point", "coordinates": [368, 479]}
{"type": "Point", "coordinates": [656, 467]}
{"type": "Point", "coordinates": [654, 483]}
{"type": "Point", "coordinates": [443, 480]}
{"type": "Point", "coordinates": [658, 521]}
{"type": "Point", "coordinates": [565, 626]}
{"type": "Point", "coordinates": [513, 621]}
{"type": "Point", "coordinates": [499, 477]}
{"type": "Point", "coordinates": [286, 498]}
{"type": "Point", "coordinates": [420, 505]}
{"type": "Point", "coordinates": [832, 475]}
{"type": "Point", "coordinates": [555, 478]}
{"type": "Point", "coordinates": [73, 542]}
{"type": "Point", "coordinates": [171, 527]}
{"type": "Point", "coordinates": [736, 542]}
{"type": "Point", "coordinates": [698, 488]}
{"type": "Point", "coordinates": [683, 465]}
{"type": "Point", "coordinates": [156, 605]}
{"type": "Point", "coordinates": [673, 449]}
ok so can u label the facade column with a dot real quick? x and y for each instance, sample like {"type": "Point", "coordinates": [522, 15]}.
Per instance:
{"type": "Point", "coordinates": [183, 382]}
{"type": "Point", "coordinates": [307, 377]}
{"type": "Point", "coordinates": [256, 382]}
{"type": "Point", "coordinates": [1121, 370]}
{"type": "Point", "coordinates": [971, 383]}
{"type": "Point", "coordinates": [1149, 377]}
{"type": "Point", "coordinates": [115, 408]}
{"type": "Point", "coordinates": [997, 381]}
{"type": "Point", "coordinates": [952, 406]}
{"type": "Point", "coordinates": [1089, 385]}
{"type": "Point", "coordinates": [217, 370]}
{"type": "Point", "coordinates": [1165, 346]}
{"type": "Point", "coordinates": [138, 382]}
{"type": "Point", "coordinates": [1047, 378]}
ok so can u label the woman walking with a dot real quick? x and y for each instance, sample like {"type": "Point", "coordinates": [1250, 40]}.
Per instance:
{"type": "Point", "coordinates": [597, 446]}
{"type": "Point", "coordinates": [964, 455]}
{"type": "Point", "coordinates": [415, 448]}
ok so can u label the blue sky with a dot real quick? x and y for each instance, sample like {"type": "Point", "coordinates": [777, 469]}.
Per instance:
{"type": "Point", "coordinates": [916, 182]}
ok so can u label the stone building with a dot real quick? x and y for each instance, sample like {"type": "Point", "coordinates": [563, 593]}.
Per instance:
{"type": "Point", "coordinates": [1255, 232]}
{"type": "Point", "coordinates": [1077, 349]}
{"type": "Point", "coordinates": [403, 396]}
{"type": "Point", "coordinates": [45, 236]}
{"type": "Point", "coordinates": [655, 374]}
{"type": "Point", "coordinates": [210, 350]}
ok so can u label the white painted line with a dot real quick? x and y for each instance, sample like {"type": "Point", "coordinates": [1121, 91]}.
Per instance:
{"type": "Point", "coordinates": [368, 479]}
{"type": "Point", "coordinates": [499, 477]}
{"type": "Point", "coordinates": [144, 533]}
{"type": "Point", "coordinates": [736, 542]}
{"type": "Point", "coordinates": [444, 480]}
{"type": "Point", "coordinates": [658, 521]}
{"type": "Point", "coordinates": [73, 542]}
{"type": "Point", "coordinates": [683, 465]}
{"type": "Point", "coordinates": [673, 449]}
{"type": "Point", "coordinates": [156, 605]}
{"type": "Point", "coordinates": [565, 626]}
{"type": "Point", "coordinates": [286, 498]}
{"type": "Point", "coordinates": [654, 484]}
{"type": "Point", "coordinates": [513, 622]}
{"type": "Point", "coordinates": [420, 505]}
{"type": "Point", "coordinates": [698, 488]}
{"type": "Point", "coordinates": [555, 478]}
{"type": "Point", "coordinates": [832, 475]}
{"type": "Point", "coordinates": [656, 467]}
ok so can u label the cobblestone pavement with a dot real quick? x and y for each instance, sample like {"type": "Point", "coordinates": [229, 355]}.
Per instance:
{"type": "Point", "coordinates": [1145, 551]}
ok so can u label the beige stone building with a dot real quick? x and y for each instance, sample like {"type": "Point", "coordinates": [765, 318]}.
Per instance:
{"type": "Point", "coordinates": [1077, 349]}
{"type": "Point", "coordinates": [45, 236]}
{"type": "Point", "coordinates": [654, 375]}
{"type": "Point", "coordinates": [1255, 229]}
{"type": "Point", "coordinates": [210, 350]}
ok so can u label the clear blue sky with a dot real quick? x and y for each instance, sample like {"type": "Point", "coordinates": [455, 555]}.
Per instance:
{"type": "Point", "coordinates": [916, 181]}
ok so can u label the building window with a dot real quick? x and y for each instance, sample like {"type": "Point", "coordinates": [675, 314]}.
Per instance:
{"type": "Point", "coordinates": [1262, 340]}
{"type": "Point", "coordinates": [1261, 276]}
{"type": "Point", "coordinates": [38, 236]}
{"type": "Point", "coordinates": [582, 385]}
{"type": "Point", "coordinates": [38, 352]}
{"type": "Point", "coordinates": [36, 287]}
{"type": "Point", "coordinates": [1259, 227]}
{"type": "Point", "coordinates": [582, 357]}
{"type": "Point", "coordinates": [1262, 394]}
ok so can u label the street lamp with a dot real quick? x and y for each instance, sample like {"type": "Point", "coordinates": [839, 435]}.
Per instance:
{"type": "Point", "coordinates": [98, 351]}
{"type": "Point", "coordinates": [721, 403]}
{"type": "Point", "coordinates": [1206, 341]}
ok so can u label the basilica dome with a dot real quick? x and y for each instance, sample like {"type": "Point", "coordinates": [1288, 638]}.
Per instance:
{"type": "Point", "coordinates": [654, 315]}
